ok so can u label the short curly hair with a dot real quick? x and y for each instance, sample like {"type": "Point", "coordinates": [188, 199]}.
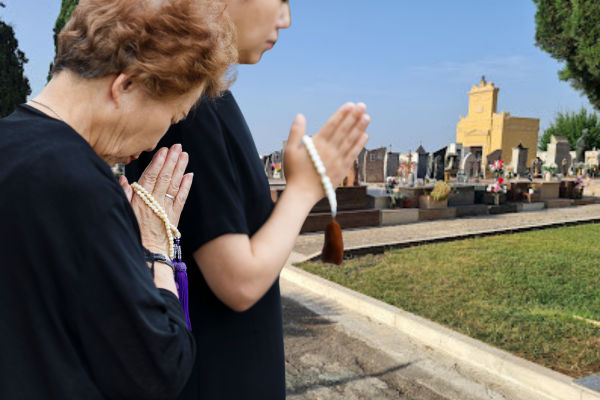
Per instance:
{"type": "Point", "coordinates": [171, 46]}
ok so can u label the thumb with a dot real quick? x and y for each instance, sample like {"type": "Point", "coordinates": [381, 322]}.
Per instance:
{"type": "Point", "coordinates": [297, 131]}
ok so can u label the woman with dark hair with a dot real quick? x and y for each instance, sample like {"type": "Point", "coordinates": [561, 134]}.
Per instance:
{"type": "Point", "coordinates": [89, 307]}
{"type": "Point", "coordinates": [235, 240]}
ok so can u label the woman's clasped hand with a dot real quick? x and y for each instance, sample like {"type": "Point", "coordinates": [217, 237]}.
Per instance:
{"type": "Point", "coordinates": [338, 143]}
{"type": "Point", "coordinates": [163, 176]}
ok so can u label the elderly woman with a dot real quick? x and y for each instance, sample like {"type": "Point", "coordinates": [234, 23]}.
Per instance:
{"type": "Point", "coordinates": [82, 316]}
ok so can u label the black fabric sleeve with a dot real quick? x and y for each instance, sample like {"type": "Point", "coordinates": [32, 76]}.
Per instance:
{"type": "Point", "coordinates": [214, 207]}
{"type": "Point", "coordinates": [134, 336]}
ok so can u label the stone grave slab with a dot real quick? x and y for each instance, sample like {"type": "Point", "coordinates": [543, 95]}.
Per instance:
{"type": "Point", "coordinates": [516, 190]}
{"type": "Point", "coordinates": [317, 222]}
{"type": "Point", "coordinates": [584, 202]}
{"type": "Point", "coordinates": [348, 198]}
{"type": "Point", "coordinates": [378, 201]}
{"type": "Point", "coordinates": [558, 203]}
{"type": "Point", "coordinates": [504, 209]}
{"type": "Point", "coordinates": [566, 189]}
{"type": "Point", "coordinates": [472, 210]}
{"type": "Point", "coordinates": [549, 190]}
{"type": "Point", "coordinates": [528, 207]}
{"type": "Point", "coordinates": [488, 198]}
{"type": "Point", "coordinates": [399, 217]}
{"type": "Point", "coordinates": [462, 196]}
{"type": "Point", "coordinates": [434, 214]}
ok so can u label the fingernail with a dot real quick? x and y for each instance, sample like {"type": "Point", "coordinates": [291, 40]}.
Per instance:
{"type": "Point", "coordinates": [349, 107]}
{"type": "Point", "coordinates": [366, 136]}
{"type": "Point", "coordinates": [297, 119]}
{"type": "Point", "coordinates": [162, 153]}
{"type": "Point", "coordinates": [360, 107]}
{"type": "Point", "coordinates": [365, 119]}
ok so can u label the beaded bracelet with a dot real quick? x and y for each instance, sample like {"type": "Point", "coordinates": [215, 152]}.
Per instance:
{"type": "Point", "coordinates": [333, 247]}
{"type": "Point", "coordinates": [176, 262]}
{"type": "Point", "coordinates": [316, 159]}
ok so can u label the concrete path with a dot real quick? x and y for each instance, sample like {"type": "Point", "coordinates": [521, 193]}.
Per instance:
{"type": "Point", "coordinates": [310, 245]}
{"type": "Point", "coordinates": [335, 354]}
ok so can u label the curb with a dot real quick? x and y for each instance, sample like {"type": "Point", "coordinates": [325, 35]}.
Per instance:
{"type": "Point", "coordinates": [383, 247]}
{"type": "Point", "coordinates": [525, 374]}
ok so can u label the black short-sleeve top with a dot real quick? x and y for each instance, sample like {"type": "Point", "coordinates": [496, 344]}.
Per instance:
{"type": "Point", "coordinates": [239, 355]}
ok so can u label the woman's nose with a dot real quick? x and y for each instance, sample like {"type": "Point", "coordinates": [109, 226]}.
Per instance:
{"type": "Point", "coordinates": [285, 18]}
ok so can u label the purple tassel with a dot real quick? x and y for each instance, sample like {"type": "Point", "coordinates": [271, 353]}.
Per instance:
{"type": "Point", "coordinates": [181, 281]}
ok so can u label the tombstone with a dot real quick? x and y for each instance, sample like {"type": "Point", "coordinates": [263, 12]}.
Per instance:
{"type": "Point", "coordinates": [519, 160]}
{"type": "Point", "coordinates": [452, 159]}
{"type": "Point", "coordinates": [438, 163]}
{"type": "Point", "coordinates": [469, 165]}
{"type": "Point", "coordinates": [592, 158]}
{"type": "Point", "coordinates": [422, 161]}
{"type": "Point", "coordinates": [375, 165]}
{"type": "Point", "coordinates": [356, 170]}
{"type": "Point", "coordinates": [392, 163]}
{"type": "Point", "coordinates": [462, 177]}
{"type": "Point", "coordinates": [411, 179]}
{"type": "Point", "coordinates": [559, 149]}
{"type": "Point", "coordinates": [537, 167]}
{"type": "Point", "coordinates": [361, 164]}
{"type": "Point", "coordinates": [352, 179]}
{"type": "Point", "coordinates": [492, 158]}
{"type": "Point", "coordinates": [581, 145]}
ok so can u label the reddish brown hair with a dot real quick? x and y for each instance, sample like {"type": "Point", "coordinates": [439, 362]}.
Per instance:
{"type": "Point", "coordinates": [170, 46]}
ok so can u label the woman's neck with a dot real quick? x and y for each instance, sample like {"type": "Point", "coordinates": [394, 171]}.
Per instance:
{"type": "Point", "coordinates": [77, 102]}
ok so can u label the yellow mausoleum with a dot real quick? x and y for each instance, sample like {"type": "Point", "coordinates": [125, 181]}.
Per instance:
{"type": "Point", "coordinates": [484, 130]}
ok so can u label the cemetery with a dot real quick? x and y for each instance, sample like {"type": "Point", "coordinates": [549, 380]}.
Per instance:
{"type": "Point", "coordinates": [520, 292]}
{"type": "Point", "coordinates": [493, 168]}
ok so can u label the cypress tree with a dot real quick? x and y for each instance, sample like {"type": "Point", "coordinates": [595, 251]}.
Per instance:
{"type": "Point", "coordinates": [569, 30]}
{"type": "Point", "coordinates": [14, 85]}
{"type": "Point", "coordinates": [66, 9]}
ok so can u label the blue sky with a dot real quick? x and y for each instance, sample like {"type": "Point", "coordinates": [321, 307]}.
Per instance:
{"type": "Point", "coordinates": [412, 63]}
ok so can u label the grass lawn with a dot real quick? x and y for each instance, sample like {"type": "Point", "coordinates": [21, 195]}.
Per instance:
{"type": "Point", "coordinates": [517, 292]}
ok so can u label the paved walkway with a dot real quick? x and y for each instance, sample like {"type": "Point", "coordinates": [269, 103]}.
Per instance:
{"type": "Point", "coordinates": [335, 354]}
{"type": "Point", "coordinates": [310, 245]}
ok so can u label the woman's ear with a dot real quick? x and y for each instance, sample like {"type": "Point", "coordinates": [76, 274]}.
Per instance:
{"type": "Point", "coordinates": [120, 87]}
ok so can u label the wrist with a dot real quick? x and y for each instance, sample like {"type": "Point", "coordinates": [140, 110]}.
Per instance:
{"type": "Point", "coordinates": [303, 194]}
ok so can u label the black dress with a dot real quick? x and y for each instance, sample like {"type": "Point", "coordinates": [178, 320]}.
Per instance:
{"type": "Point", "coordinates": [239, 355]}
{"type": "Point", "coordinates": [80, 316]}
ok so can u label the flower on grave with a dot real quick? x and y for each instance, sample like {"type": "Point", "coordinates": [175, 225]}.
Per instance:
{"type": "Point", "coordinates": [580, 183]}
{"type": "Point", "coordinates": [278, 167]}
{"type": "Point", "coordinates": [496, 188]}
{"type": "Point", "coordinates": [391, 183]}
{"type": "Point", "coordinates": [497, 167]}
{"type": "Point", "coordinates": [552, 167]}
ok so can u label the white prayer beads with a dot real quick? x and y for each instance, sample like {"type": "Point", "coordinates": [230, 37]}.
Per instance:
{"type": "Point", "coordinates": [316, 159]}
{"type": "Point", "coordinates": [160, 212]}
